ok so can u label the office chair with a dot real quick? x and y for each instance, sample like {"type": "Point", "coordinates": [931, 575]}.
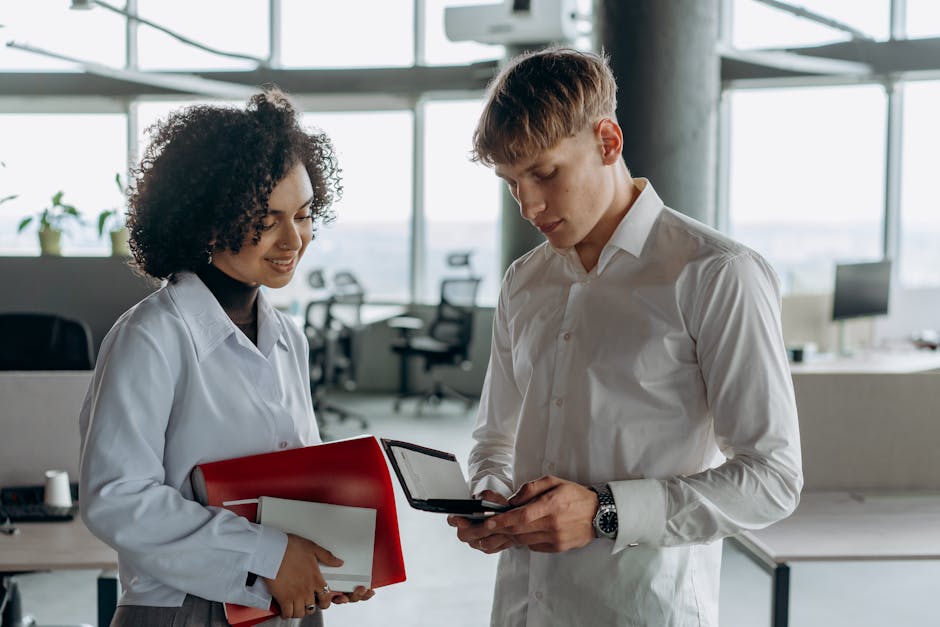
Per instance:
{"type": "Point", "coordinates": [447, 342]}
{"type": "Point", "coordinates": [43, 341]}
{"type": "Point", "coordinates": [332, 356]}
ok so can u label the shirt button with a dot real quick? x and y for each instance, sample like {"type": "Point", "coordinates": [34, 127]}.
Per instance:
{"type": "Point", "coordinates": [539, 595]}
{"type": "Point", "coordinates": [559, 402]}
{"type": "Point", "coordinates": [567, 336]}
{"type": "Point", "coordinates": [282, 445]}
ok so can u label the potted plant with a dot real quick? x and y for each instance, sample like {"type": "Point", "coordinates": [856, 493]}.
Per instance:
{"type": "Point", "coordinates": [113, 220]}
{"type": "Point", "coordinates": [53, 220]}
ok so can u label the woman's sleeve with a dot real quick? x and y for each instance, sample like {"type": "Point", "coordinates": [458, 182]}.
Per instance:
{"type": "Point", "coordinates": [200, 550]}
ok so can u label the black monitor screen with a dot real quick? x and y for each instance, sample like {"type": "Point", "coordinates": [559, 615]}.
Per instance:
{"type": "Point", "coordinates": [861, 290]}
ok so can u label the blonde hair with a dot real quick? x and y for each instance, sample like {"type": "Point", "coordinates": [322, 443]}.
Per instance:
{"type": "Point", "coordinates": [541, 98]}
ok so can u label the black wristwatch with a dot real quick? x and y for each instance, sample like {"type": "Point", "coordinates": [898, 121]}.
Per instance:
{"type": "Point", "coordinates": [605, 520]}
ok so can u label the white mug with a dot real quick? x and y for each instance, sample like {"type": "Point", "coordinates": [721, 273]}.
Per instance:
{"type": "Point", "coordinates": [58, 492]}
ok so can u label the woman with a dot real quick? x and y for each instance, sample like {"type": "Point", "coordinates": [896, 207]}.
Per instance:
{"type": "Point", "coordinates": [205, 368]}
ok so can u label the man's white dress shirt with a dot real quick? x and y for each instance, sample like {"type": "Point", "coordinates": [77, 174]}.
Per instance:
{"type": "Point", "coordinates": [662, 372]}
{"type": "Point", "coordinates": [177, 384]}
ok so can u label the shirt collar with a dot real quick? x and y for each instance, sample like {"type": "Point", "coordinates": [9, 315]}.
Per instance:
{"type": "Point", "coordinates": [633, 231]}
{"type": "Point", "coordinates": [208, 323]}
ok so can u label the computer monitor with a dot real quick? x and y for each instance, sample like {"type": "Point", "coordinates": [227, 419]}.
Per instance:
{"type": "Point", "coordinates": [861, 290]}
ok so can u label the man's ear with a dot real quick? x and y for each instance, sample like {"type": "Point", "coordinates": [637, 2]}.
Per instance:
{"type": "Point", "coordinates": [610, 139]}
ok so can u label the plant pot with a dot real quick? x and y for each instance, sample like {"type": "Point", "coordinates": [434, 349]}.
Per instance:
{"type": "Point", "coordinates": [50, 242]}
{"type": "Point", "coordinates": [119, 243]}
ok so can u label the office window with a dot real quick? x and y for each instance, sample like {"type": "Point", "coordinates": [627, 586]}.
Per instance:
{"type": "Point", "coordinates": [923, 18]}
{"type": "Point", "coordinates": [75, 153]}
{"type": "Point", "coordinates": [439, 50]}
{"type": "Point", "coordinates": [461, 200]}
{"type": "Point", "coordinates": [372, 231]}
{"type": "Point", "coordinates": [920, 209]}
{"type": "Point", "coordinates": [758, 25]}
{"type": "Point", "coordinates": [219, 24]}
{"type": "Point", "coordinates": [352, 33]}
{"type": "Point", "coordinates": [807, 178]}
{"type": "Point", "coordinates": [52, 26]}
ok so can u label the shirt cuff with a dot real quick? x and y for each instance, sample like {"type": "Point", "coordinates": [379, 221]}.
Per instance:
{"type": "Point", "coordinates": [491, 482]}
{"type": "Point", "coordinates": [641, 512]}
{"type": "Point", "coordinates": [269, 553]}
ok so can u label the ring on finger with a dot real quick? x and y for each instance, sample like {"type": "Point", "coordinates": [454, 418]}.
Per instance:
{"type": "Point", "coordinates": [480, 543]}
{"type": "Point", "coordinates": [311, 607]}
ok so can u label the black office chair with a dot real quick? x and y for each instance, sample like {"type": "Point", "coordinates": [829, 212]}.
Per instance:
{"type": "Point", "coordinates": [447, 343]}
{"type": "Point", "coordinates": [332, 354]}
{"type": "Point", "coordinates": [43, 341]}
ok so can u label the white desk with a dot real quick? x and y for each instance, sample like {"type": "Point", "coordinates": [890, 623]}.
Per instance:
{"type": "Point", "coordinates": [872, 361]}
{"type": "Point", "coordinates": [845, 526]}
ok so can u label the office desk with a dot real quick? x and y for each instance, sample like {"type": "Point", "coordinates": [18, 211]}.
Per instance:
{"type": "Point", "coordinates": [844, 526]}
{"type": "Point", "coordinates": [872, 362]}
{"type": "Point", "coordinates": [63, 546]}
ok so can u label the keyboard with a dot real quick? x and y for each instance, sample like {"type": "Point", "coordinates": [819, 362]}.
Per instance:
{"type": "Point", "coordinates": [34, 512]}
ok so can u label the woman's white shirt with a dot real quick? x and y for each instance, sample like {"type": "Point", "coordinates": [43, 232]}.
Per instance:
{"type": "Point", "coordinates": [177, 384]}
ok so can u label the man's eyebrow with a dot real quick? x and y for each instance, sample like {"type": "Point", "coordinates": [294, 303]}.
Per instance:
{"type": "Point", "coordinates": [303, 205]}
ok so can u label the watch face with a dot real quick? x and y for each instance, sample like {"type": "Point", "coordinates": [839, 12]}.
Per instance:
{"type": "Point", "coordinates": [608, 522]}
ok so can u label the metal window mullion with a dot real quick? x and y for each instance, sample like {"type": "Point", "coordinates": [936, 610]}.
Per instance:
{"type": "Point", "coordinates": [131, 59]}
{"type": "Point", "coordinates": [274, 33]}
{"type": "Point", "coordinates": [418, 252]}
{"type": "Point", "coordinates": [722, 215]}
{"type": "Point", "coordinates": [420, 36]}
{"type": "Point", "coordinates": [891, 243]}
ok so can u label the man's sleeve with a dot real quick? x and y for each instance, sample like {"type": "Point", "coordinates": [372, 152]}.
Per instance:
{"type": "Point", "coordinates": [491, 460]}
{"type": "Point", "coordinates": [741, 353]}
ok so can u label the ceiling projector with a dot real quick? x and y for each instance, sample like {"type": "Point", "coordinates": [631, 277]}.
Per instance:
{"type": "Point", "coordinates": [513, 22]}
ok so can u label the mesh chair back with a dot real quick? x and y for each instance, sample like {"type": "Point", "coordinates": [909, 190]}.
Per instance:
{"type": "Point", "coordinates": [40, 341]}
{"type": "Point", "coordinates": [453, 323]}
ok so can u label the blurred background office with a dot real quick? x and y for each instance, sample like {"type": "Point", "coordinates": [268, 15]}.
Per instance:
{"type": "Point", "coordinates": [808, 130]}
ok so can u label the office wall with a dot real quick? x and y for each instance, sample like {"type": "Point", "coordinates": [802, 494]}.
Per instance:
{"type": "Point", "coordinates": [96, 290]}
{"type": "Point", "coordinates": [808, 318]}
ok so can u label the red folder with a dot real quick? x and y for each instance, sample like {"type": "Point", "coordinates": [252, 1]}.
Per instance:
{"type": "Point", "coordinates": [350, 472]}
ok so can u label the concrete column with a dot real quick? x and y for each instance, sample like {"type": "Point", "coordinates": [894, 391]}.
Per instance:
{"type": "Point", "coordinates": [663, 55]}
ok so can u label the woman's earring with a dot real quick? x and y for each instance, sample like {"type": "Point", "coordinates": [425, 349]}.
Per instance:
{"type": "Point", "coordinates": [209, 256]}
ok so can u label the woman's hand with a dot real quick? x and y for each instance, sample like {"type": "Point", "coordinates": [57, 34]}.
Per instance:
{"type": "Point", "coordinates": [361, 593]}
{"type": "Point", "coordinates": [299, 583]}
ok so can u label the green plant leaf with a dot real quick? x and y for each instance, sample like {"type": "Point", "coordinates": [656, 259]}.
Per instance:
{"type": "Point", "coordinates": [57, 198]}
{"type": "Point", "coordinates": [8, 198]}
{"type": "Point", "coordinates": [103, 219]}
{"type": "Point", "coordinates": [117, 179]}
{"type": "Point", "coordinates": [23, 224]}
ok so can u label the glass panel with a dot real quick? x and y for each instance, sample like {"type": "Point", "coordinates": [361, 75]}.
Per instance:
{"type": "Point", "coordinates": [213, 23]}
{"type": "Point", "coordinates": [807, 178]}
{"type": "Point", "coordinates": [461, 201]}
{"type": "Point", "coordinates": [352, 33]}
{"type": "Point", "coordinates": [439, 50]}
{"type": "Point", "coordinates": [371, 234]}
{"type": "Point", "coordinates": [758, 25]}
{"type": "Point", "coordinates": [89, 149]}
{"type": "Point", "coordinates": [96, 35]}
{"type": "Point", "coordinates": [923, 18]}
{"type": "Point", "coordinates": [920, 213]}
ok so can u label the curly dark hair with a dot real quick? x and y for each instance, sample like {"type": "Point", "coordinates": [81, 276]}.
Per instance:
{"type": "Point", "coordinates": [207, 175]}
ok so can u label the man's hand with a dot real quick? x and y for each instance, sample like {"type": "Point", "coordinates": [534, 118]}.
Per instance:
{"type": "Point", "coordinates": [299, 582]}
{"type": "Point", "coordinates": [551, 515]}
{"type": "Point", "coordinates": [474, 534]}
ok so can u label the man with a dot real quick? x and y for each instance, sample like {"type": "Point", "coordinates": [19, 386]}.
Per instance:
{"type": "Point", "coordinates": [638, 405]}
